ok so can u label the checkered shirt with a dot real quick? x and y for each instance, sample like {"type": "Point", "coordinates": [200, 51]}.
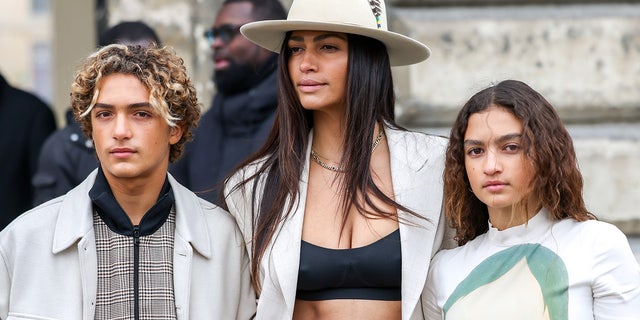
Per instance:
{"type": "Point", "coordinates": [116, 296]}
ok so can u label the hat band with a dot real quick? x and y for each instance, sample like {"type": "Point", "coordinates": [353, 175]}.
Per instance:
{"type": "Point", "coordinates": [377, 11]}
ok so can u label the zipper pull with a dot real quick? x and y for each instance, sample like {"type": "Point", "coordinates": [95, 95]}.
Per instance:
{"type": "Point", "coordinates": [136, 235]}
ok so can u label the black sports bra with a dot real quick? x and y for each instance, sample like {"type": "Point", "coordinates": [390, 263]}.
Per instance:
{"type": "Point", "coordinates": [372, 272]}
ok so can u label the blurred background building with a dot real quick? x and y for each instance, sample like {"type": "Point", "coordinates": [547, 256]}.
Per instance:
{"type": "Point", "coordinates": [583, 55]}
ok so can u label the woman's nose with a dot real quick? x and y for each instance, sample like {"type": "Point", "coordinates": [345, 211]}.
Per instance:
{"type": "Point", "coordinates": [492, 163]}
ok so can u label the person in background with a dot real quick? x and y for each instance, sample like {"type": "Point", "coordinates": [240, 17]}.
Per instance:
{"type": "Point", "coordinates": [530, 249]}
{"type": "Point", "coordinates": [341, 208]}
{"type": "Point", "coordinates": [26, 122]}
{"type": "Point", "coordinates": [129, 242]}
{"type": "Point", "coordinates": [243, 109]}
{"type": "Point", "coordinates": [68, 156]}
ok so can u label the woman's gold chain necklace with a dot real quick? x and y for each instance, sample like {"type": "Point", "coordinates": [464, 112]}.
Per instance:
{"type": "Point", "coordinates": [316, 157]}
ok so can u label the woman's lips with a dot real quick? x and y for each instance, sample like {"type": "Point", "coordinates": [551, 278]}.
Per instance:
{"type": "Point", "coordinates": [310, 86]}
{"type": "Point", "coordinates": [494, 186]}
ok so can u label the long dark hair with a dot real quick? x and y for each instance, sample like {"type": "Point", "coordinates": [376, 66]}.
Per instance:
{"type": "Point", "coordinates": [369, 100]}
{"type": "Point", "coordinates": [557, 182]}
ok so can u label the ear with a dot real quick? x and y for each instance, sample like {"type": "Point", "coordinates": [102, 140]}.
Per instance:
{"type": "Point", "coordinates": [175, 134]}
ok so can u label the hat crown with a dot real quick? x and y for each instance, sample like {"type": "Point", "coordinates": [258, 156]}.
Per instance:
{"type": "Point", "coordinates": [367, 18]}
{"type": "Point", "coordinates": [363, 13]}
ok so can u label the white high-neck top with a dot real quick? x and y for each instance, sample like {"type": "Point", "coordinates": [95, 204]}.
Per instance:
{"type": "Point", "coordinates": [542, 269]}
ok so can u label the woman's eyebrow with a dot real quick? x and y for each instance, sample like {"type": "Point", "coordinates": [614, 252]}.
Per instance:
{"type": "Point", "coordinates": [509, 136]}
{"type": "Point", "coordinates": [501, 139]}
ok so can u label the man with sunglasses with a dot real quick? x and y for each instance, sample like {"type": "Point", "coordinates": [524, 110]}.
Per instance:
{"type": "Point", "coordinates": [243, 108]}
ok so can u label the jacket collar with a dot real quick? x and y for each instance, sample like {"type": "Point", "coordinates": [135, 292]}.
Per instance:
{"type": "Point", "coordinates": [416, 176]}
{"type": "Point", "coordinates": [110, 211]}
{"type": "Point", "coordinates": [75, 218]}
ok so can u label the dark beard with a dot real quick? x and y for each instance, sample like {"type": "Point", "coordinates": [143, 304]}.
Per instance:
{"type": "Point", "coordinates": [236, 78]}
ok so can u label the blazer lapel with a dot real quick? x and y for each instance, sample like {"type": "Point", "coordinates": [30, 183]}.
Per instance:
{"type": "Point", "coordinates": [413, 178]}
{"type": "Point", "coordinates": [286, 248]}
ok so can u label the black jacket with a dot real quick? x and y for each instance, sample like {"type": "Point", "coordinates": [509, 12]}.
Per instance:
{"type": "Point", "coordinates": [232, 129]}
{"type": "Point", "coordinates": [66, 159]}
{"type": "Point", "coordinates": [25, 121]}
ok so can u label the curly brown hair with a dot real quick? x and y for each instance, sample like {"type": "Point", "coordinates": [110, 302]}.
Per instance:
{"type": "Point", "coordinates": [161, 70]}
{"type": "Point", "coordinates": [557, 183]}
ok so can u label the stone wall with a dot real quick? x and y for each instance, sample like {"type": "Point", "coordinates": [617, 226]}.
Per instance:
{"type": "Point", "coordinates": [583, 57]}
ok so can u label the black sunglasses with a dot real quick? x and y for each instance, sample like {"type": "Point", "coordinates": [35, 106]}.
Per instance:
{"type": "Point", "coordinates": [225, 33]}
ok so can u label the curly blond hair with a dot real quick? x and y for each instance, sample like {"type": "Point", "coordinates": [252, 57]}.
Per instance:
{"type": "Point", "coordinates": [161, 70]}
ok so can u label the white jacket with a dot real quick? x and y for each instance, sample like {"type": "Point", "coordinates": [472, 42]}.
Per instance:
{"type": "Point", "coordinates": [417, 163]}
{"type": "Point", "coordinates": [48, 261]}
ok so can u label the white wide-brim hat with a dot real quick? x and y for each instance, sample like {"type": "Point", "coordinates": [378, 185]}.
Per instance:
{"type": "Point", "coordinates": [346, 16]}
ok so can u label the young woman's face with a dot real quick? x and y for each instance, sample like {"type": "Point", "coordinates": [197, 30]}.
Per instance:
{"type": "Point", "coordinates": [318, 68]}
{"type": "Point", "coordinates": [494, 159]}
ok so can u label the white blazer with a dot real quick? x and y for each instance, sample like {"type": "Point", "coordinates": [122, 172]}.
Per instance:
{"type": "Point", "coordinates": [417, 163]}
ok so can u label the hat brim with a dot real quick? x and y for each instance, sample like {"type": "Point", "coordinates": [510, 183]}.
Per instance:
{"type": "Point", "coordinates": [402, 50]}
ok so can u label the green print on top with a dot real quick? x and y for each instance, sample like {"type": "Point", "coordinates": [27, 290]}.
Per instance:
{"type": "Point", "coordinates": [527, 281]}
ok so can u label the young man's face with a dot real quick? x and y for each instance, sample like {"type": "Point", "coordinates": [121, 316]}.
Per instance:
{"type": "Point", "coordinates": [131, 140]}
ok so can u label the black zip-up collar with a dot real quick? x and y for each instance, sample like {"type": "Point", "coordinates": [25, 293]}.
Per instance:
{"type": "Point", "coordinates": [117, 220]}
